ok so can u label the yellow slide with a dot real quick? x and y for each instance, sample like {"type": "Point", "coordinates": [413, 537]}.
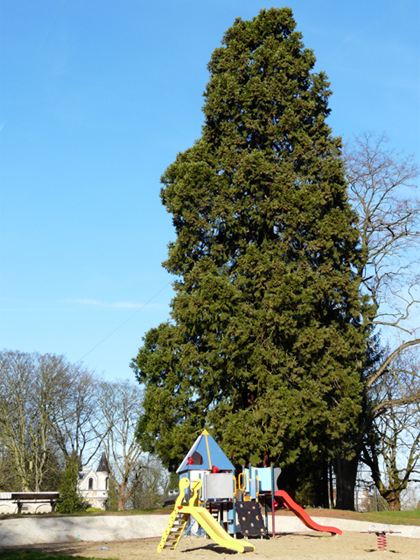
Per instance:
{"type": "Point", "coordinates": [215, 531]}
{"type": "Point", "coordinates": [181, 514]}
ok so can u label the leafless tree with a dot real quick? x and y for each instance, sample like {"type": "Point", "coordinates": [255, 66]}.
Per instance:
{"type": "Point", "coordinates": [152, 483]}
{"type": "Point", "coordinates": [120, 405]}
{"type": "Point", "coordinates": [38, 416]}
{"type": "Point", "coordinates": [382, 185]}
{"type": "Point", "coordinates": [16, 380]}
{"type": "Point", "coordinates": [30, 385]}
{"type": "Point", "coordinates": [76, 417]}
{"type": "Point", "coordinates": [393, 449]}
{"type": "Point", "coordinates": [8, 479]}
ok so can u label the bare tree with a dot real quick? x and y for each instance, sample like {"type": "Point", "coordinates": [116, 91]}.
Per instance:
{"type": "Point", "coordinates": [16, 380]}
{"type": "Point", "coordinates": [392, 450]}
{"type": "Point", "coordinates": [76, 416]}
{"type": "Point", "coordinates": [120, 406]}
{"type": "Point", "coordinates": [35, 390]}
{"type": "Point", "coordinates": [153, 483]}
{"type": "Point", "coordinates": [30, 384]}
{"type": "Point", "coordinates": [8, 480]}
{"type": "Point", "coordinates": [381, 188]}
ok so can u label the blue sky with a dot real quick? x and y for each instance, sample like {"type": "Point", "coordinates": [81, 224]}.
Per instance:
{"type": "Point", "coordinates": [97, 98]}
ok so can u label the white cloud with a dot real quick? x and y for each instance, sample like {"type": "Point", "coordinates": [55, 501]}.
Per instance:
{"type": "Point", "coordinates": [116, 305]}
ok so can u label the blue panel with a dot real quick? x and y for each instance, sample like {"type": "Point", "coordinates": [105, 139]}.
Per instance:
{"type": "Point", "coordinates": [264, 479]}
{"type": "Point", "coordinates": [217, 458]}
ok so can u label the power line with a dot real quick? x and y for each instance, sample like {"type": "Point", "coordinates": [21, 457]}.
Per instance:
{"type": "Point", "coordinates": [125, 322]}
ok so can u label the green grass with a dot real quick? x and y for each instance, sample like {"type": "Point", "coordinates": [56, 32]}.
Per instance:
{"type": "Point", "coordinates": [382, 517]}
{"type": "Point", "coordinates": [393, 517]}
{"type": "Point", "coordinates": [31, 555]}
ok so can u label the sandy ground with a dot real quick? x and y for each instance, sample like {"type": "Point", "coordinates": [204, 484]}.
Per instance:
{"type": "Point", "coordinates": [296, 546]}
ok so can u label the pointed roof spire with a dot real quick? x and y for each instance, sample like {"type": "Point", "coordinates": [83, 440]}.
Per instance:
{"type": "Point", "coordinates": [204, 455]}
{"type": "Point", "coordinates": [103, 464]}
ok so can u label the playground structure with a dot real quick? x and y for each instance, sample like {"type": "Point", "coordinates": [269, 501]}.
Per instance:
{"type": "Point", "coordinates": [302, 515]}
{"type": "Point", "coordinates": [182, 514]}
{"type": "Point", "coordinates": [257, 485]}
{"type": "Point", "coordinates": [262, 484]}
{"type": "Point", "coordinates": [207, 462]}
{"type": "Point", "coordinates": [216, 501]}
{"type": "Point", "coordinates": [381, 535]}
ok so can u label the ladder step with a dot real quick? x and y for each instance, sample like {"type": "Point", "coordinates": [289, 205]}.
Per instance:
{"type": "Point", "coordinates": [175, 530]}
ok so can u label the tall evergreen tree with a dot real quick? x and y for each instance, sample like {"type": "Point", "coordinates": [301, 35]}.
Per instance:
{"type": "Point", "coordinates": [265, 345]}
{"type": "Point", "coordinates": [71, 500]}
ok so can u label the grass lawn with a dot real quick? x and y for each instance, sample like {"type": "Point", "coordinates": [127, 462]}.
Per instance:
{"type": "Point", "coordinates": [393, 517]}
{"type": "Point", "coordinates": [382, 517]}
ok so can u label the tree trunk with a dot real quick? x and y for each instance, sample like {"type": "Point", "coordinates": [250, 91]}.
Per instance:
{"type": "Point", "coordinates": [121, 496]}
{"type": "Point", "coordinates": [393, 499]}
{"type": "Point", "coordinates": [345, 472]}
{"type": "Point", "coordinates": [322, 487]}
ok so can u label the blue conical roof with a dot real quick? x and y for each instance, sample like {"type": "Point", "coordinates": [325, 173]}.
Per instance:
{"type": "Point", "coordinates": [204, 454]}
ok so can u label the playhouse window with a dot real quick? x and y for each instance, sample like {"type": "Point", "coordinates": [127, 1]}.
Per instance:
{"type": "Point", "coordinates": [90, 483]}
{"type": "Point", "coordinates": [197, 458]}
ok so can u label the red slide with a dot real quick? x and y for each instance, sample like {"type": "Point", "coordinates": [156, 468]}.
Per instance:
{"type": "Point", "coordinates": [303, 516]}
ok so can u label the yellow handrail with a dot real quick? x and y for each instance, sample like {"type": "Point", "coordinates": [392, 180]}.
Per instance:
{"type": "Point", "coordinates": [196, 485]}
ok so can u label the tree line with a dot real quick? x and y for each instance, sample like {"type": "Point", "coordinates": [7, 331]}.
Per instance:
{"type": "Point", "coordinates": [292, 333]}
{"type": "Point", "coordinates": [54, 413]}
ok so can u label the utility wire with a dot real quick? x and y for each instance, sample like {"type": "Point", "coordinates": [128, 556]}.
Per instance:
{"type": "Point", "coordinates": [125, 322]}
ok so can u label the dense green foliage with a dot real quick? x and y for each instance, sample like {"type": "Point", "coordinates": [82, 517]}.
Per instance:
{"type": "Point", "coordinates": [71, 500]}
{"type": "Point", "coordinates": [265, 345]}
{"type": "Point", "coordinates": [112, 501]}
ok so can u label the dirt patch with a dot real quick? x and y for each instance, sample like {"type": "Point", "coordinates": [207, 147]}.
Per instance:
{"type": "Point", "coordinates": [296, 546]}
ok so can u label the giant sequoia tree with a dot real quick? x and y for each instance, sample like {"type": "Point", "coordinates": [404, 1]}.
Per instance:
{"type": "Point", "coordinates": [265, 346]}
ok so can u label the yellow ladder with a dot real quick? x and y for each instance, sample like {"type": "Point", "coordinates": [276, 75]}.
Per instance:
{"type": "Point", "coordinates": [178, 520]}
{"type": "Point", "coordinates": [173, 532]}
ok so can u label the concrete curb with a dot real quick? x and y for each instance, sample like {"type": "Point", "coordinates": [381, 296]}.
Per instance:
{"type": "Point", "coordinates": [14, 532]}
{"type": "Point", "coordinates": [71, 529]}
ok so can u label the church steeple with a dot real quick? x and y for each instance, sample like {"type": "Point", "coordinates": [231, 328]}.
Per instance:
{"type": "Point", "coordinates": [103, 464]}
